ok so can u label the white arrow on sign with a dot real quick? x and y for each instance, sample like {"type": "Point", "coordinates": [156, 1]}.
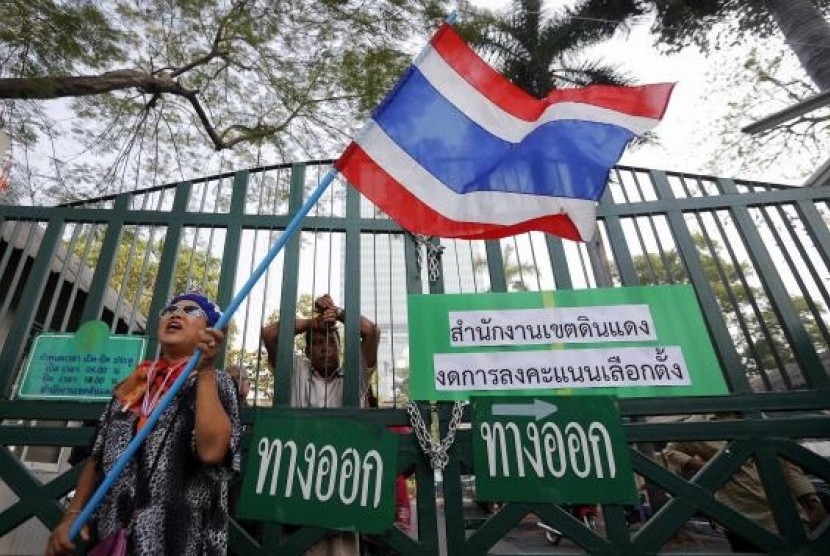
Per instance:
{"type": "Point", "coordinates": [539, 409]}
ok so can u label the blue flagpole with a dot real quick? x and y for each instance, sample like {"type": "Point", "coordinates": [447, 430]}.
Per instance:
{"type": "Point", "coordinates": [145, 431]}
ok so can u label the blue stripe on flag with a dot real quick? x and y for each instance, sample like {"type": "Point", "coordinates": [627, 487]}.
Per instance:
{"type": "Point", "coordinates": [566, 158]}
{"type": "Point", "coordinates": [466, 158]}
{"type": "Point", "coordinates": [439, 136]}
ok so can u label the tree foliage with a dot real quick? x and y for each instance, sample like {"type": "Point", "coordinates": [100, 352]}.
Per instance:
{"type": "Point", "coordinates": [157, 85]}
{"type": "Point", "coordinates": [776, 83]}
{"type": "Point", "coordinates": [540, 50]}
{"type": "Point", "coordinates": [767, 55]}
{"type": "Point", "coordinates": [43, 37]}
{"type": "Point", "coordinates": [717, 24]}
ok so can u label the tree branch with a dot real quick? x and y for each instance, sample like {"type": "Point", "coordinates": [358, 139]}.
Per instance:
{"type": "Point", "coordinates": [87, 85]}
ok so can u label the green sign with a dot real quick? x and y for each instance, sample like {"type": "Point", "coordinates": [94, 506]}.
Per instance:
{"type": "Point", "coordinates": [559, 449]}
{"type": "Point", "coordinates": [333, 473]}
{"type": "Point", "coordinates": [626, 342]}
{"type": "Point", "coordinates": [81, 366]}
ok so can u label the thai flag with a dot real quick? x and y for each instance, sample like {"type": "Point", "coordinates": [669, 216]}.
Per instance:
{"type": "Point", "coordinates": [456, 150]}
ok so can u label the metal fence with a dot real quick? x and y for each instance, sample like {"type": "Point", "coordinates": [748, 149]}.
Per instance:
{"type": "Point", "coordinates": [758, 256]}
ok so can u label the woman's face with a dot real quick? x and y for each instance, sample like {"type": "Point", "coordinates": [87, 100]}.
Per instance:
{"type": "Point", "coordinates": [179, 328]}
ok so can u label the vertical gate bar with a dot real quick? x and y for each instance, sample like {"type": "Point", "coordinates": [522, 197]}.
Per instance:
{"type": "Point", "coordinates": [619, 246]}
{"type": "Point", "coordinates": [411, 250]}
{"type": "Point", "coordinates": [233, 238]}
{"type": "Point", "coordinates": [495, 266]}
{"type": "Point", "coordinates": [79, 269]}
{"type": "Point", "coordinates": [284, 362]}
{"type": "Point", "coordinates": [451, 486]}
{"type": "Point", "coordinates": [390, 241]}
{"type": "Point", "coordinates": [18, 224]}
{"type": "Point", "coordinates": [167, 264]}
{"type": "Point", "coordinates": [436, 286]}
{"type": "Point", "coordinates": [125, 281]}
{"type": "Point", "coordinates": [726, 352]}
{"type": "Point", "coordinates": [11, 285]}
{"type": "Point", "coordinates": [794, 330]}
{"type": "Point", "coordinates": [669, 271]}
{"type": "Point", "coordinates": [639, 231]}
{"type": "Point", "coordinates": [596, 248]}
{"type": "Point", "coordinates": [351, 335]}
{"type": "Point", "coordinates": [16, 340]}
{"type": "Point", "coordinates": [424, 476]}
{"type": "Point", "coordinates": [142, 275]}
{"type": "Point", "coordinates": [53, 304]}
{"type": "Point", "coordinates": [107, 257]}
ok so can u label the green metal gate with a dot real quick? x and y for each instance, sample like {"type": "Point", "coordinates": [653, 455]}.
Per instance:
{"type": "Point", "coordinates": [758, 256]}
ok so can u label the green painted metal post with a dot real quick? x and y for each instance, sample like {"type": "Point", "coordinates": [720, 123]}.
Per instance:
{"type": "Point", "coordinates": [288, 296]}
{"type": "Point", "coordinates": [16, 340]}
{"type": "Point", "coordinates": [167, 264]}
{"type": "Point", "coordinates": [351, 303]}
{"type": "Point", "coordinates": [107, 259]}
{"type": "Point", "coordinates": [781, 301]}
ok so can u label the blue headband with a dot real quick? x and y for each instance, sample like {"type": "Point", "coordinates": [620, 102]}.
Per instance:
{"type": "Point", "coordinates": [210, 308]}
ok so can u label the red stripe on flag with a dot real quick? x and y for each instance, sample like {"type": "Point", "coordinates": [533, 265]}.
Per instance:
{"type": "Point", "coordinates": [489, 82]}
{"type": "Point", "coordinates": [647, 101]}
{"type": "Point", "coordinates": [418, 217]}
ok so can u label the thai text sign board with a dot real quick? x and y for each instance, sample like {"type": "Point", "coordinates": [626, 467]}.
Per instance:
{"type": "Point", "coordinates": [627, 342]}
{"type": "Point", "coordinates": [85, 365]}
{"type": "Point", "coordinates": [561, 449]}
{"type": "Point", "coordinates": [332, 473]}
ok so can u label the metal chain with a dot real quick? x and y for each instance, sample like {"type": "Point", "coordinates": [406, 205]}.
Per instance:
{"type": "Point", "coordinates": [437, 451]}
{"type": "Point", "coordinates": [433, 253]}
{"type": "Point", "coordinates": [419, 258]}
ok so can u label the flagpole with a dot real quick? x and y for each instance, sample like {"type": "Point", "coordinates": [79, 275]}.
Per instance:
{"type": "Point", "coordinates": [223, 321]}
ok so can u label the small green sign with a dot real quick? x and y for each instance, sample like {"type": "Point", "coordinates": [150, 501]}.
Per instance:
{"type": "Point", "coordinates": [333, 473]}
{"type": "Point", "coordinates": [81, 366]}
{"type": "Point", "coordinates": [559, 449]}
{"type": "Point", "coordinates": [627, 342]}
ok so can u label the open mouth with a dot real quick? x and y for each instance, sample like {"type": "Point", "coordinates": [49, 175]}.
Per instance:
{"type": "Point", "coordinates": [173, 325]}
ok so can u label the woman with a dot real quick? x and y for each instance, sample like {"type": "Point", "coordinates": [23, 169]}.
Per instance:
{"type": "Point", "coordinates": [172, 496]}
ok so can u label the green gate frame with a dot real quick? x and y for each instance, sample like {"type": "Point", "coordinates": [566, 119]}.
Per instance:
{"type": "Point", "coordinates": [794, 414]}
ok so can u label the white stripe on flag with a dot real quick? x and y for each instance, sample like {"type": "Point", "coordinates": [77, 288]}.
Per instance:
{"type": "Point", "coordinates": [493, 207]}
{"type": "Point", "coordinates": [503, 125]}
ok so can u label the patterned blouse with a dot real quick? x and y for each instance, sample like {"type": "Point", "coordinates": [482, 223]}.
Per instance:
{"type": "Point", "coordinates": [182, 509]}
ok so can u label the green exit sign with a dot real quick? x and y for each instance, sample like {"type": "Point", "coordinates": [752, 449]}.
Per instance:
{"type": "Point", "coordinates": [559, 449]}
{"type": "Point", "coordinates": [325, 472]}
